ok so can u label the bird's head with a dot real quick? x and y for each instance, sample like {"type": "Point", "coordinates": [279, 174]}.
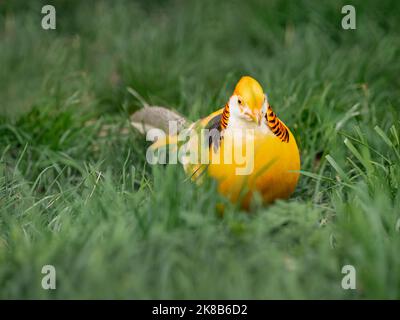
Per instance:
{"type": "Point", "coordinates": [248, 101]}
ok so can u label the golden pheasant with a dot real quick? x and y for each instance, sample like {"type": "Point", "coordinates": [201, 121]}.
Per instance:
{"type": "Point", "coordinates": [244, 145]}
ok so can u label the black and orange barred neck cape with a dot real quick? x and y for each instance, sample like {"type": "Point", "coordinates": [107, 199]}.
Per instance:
{"type": "Point", "coordinates": [273, 122]}
{"type": "Point", "coordinates": [277, 127]}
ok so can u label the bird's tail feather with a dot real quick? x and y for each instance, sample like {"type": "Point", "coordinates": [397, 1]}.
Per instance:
{"type": "Point", "coordinates": [162, 118]}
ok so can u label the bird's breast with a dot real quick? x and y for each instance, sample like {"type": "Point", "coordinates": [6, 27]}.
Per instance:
{"type": "Point", "coordinates": [252, 161]}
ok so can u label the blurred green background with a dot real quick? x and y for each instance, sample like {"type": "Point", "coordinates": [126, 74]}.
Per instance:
{"type": "Point", "coordinates": [75, 189]}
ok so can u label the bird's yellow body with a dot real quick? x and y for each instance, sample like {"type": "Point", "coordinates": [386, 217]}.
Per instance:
{"type": "Point", "coordinates": [254, 152]}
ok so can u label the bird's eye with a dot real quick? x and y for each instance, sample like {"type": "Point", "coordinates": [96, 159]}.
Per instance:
{"type": "Point", "coordinates": [239, 101]}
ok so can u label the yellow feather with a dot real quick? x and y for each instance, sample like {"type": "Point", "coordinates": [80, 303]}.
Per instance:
{"type": "Point", "coordinates": [275, 162]}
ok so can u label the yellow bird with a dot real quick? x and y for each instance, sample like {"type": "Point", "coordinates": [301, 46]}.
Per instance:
{"type": "Point", "coordinates": [244, 145]}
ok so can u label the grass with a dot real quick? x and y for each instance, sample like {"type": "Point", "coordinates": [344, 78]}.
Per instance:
{"type": "Point", "coordinates": [83, 199]}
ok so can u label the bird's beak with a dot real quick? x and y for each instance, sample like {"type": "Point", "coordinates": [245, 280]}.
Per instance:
{"type": "Point", "coordinates": [255, 116]}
